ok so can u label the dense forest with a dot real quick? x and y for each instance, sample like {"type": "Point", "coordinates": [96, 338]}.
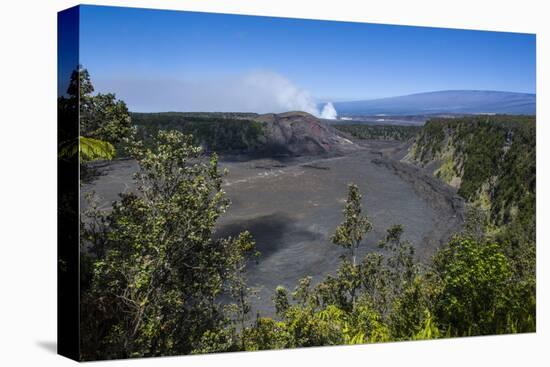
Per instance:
{"type": "Point", "coordinates": [379, 132]}
{"type": "Point", "coordinates": [491, 160]}
{"type": "Point", "coordinates": [219, 132]}
{"type": "Point", "coordinates": [155, 281]}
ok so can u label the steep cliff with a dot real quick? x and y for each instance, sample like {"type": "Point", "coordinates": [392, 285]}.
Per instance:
{"type": "Point", "coordinates": [489, 159]}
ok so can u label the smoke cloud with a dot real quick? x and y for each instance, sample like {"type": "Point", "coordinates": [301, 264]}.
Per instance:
{"type": "Point", "coordinates": [328, 112]}
{"type": "Point", "coordinates": [260, 92]}
{"type": "Point", "coordinates": [272, 92]}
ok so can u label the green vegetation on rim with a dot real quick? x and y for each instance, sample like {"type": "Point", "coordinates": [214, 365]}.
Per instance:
{"type": "Point", "coordinates": [379, 132]}
{"type": "Point", "coordinates": [490, 159]}
{"type": "Point", "coordinates": [219, 132]}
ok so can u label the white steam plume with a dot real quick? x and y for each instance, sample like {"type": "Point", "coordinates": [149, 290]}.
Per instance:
{"type": "Point", "coordinates": [274, 93]}
{"type": "Point", "coordinates": [260, 92]}
{"type": "Point", "coordinates": [328, 112]}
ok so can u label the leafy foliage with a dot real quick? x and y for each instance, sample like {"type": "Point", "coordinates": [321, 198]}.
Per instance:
{"type": "Point", "coordinates": [157, 273]}
{"type": "Point", "coordinates": [475, 286]}
{"type": "Point", "coordinates": [104, 121]}
{"type": "Point", "coordinates": [102, 116]}
{"type": "Point", "coordinates": [87, 149]}
{"type": "Point", "coordinates": [350, 233]}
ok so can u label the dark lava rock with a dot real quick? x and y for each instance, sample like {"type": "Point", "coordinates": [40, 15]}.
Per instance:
{"type": "Point", "coordinates": [299, 133]}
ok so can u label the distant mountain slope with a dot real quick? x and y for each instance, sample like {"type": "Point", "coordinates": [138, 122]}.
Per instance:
{"type": "Point", "coordinates": [451, 101]}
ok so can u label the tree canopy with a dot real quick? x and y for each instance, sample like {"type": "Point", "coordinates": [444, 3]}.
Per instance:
{"type": "Point", "coordinates": [156, 273]}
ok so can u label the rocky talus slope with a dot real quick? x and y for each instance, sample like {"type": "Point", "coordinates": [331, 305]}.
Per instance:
{"type": "Point", "coordinates": [299, 133]}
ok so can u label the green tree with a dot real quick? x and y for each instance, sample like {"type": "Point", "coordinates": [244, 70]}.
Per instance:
{"type": "Point", "coordinates": [476, 222]}
{"type": "Point", "coordinates": [236, 280]}
{"type": "Point", "coordinates": [157, 272]}
{"type": "Point", "coordinates": [401, 264]}
{"type": "Point", "coordinates": [102, 116]}
{"type": "Point", "coordinates": [104, 121]}
{"type": "Point", "coordinates": [80, 85]}
{"type": "Point", "coordinates": [353, 229]}
{"type": "Point", "coordinates": [475, 287]}
{"type": "Point", "coordinates": [280, 299]}
{"type": "Point", "coordinates": [411, 315]}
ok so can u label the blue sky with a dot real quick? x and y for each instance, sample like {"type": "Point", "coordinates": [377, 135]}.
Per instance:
{"type": "Point", "coordinates": [147, 56]}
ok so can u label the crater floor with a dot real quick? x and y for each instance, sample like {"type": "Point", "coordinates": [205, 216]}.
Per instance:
{"type": "Point", "coordinates": [292, 207]}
